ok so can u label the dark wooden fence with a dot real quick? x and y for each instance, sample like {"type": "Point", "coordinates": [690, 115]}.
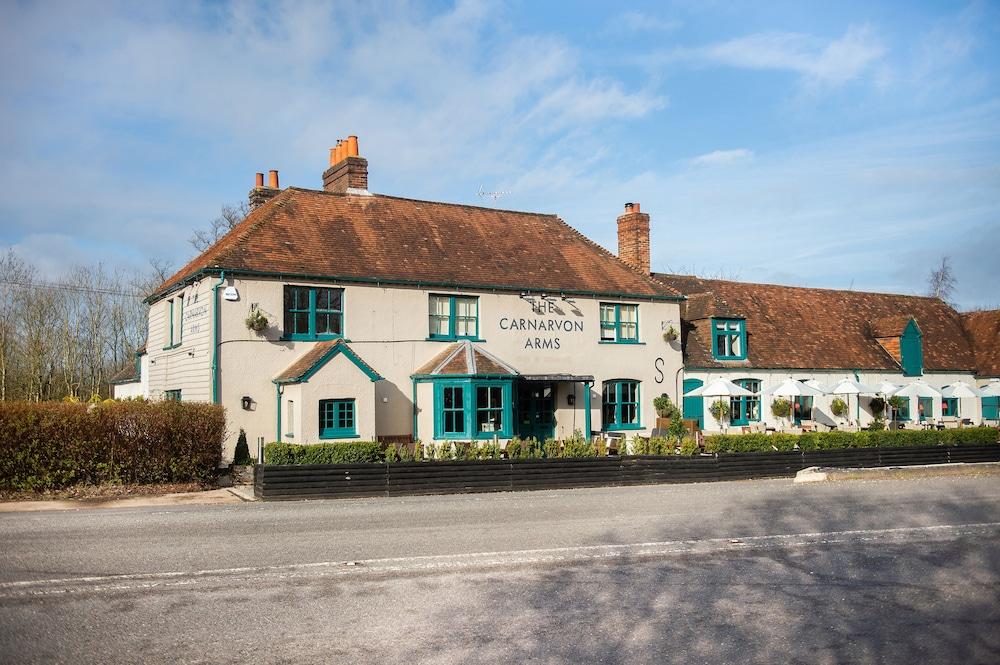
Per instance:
{"type": "Point", "coordinates": [356, 480]}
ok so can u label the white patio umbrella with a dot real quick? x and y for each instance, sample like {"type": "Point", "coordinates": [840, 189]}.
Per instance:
{"type": "Point", "coordinates": [719, 388]}
{"type": "Point", "coordinates": [960, 390]}
{"type": "Point", "coordinates": [851, 387]}
{"type": "Point", "coordinates": [886, 388]}
{"type": "Point", "coordinates": [792, 388]}
{"type": "Point", "coordinates": [916, 390]}
{"type": "Point", "coordinates": [813, 383]}
{"type": "Point", "coordinates": [992, 390]}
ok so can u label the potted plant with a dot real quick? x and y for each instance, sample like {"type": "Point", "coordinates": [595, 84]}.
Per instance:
{"type": "Point", "coordinates": [666, 411]}
{"type": "Point", "coordinates": [256, 321]}
{"type": "Point", "coordinates": [719, 410]}
{"type": "Point", "coordinates": [670, 334]}
{"type": "Point", "coordinates": [781, 408]}
{"type": "Point", "coordinates": [877, 406]}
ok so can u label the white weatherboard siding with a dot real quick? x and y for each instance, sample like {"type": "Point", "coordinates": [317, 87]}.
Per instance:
{"type": "Point", "coordinates": [968, 408]}
{"type": "Point", "coordinates": [186, 366]}
{"type": "Point", "coordinates": [388, 328]}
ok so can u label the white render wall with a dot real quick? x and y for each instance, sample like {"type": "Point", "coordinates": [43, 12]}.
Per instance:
{"type": "Point", "coordinates": [968, 408]}
{"type": "Point", "coordinates": [388, 328]}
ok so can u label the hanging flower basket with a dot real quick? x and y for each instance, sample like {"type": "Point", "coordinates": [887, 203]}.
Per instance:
{"type": "Point", "coordinates": [257, 322]}
{"type": "Point", "coordinates": [670, 334]}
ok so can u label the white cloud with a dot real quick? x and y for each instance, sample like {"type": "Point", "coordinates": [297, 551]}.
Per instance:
{"type": "Point", "coordinates": [723, 157]}
{"type": "Point", "coordinates": [147, 111]}
{"type": "Point", "coordinates": [819, 62]}
{"type": "Point", "coordinates": [634, 21]}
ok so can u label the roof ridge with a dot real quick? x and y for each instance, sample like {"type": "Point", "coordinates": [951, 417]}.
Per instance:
{"type": "Point", "coordinates": [427, 201]}
{"type": "Point", "coordinates": [807, 288]}
{"type": "Point", "coordinates": [600, 248]}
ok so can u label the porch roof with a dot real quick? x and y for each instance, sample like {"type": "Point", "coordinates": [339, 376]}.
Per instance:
{"type": "Point", "coordinates": [465, 359]}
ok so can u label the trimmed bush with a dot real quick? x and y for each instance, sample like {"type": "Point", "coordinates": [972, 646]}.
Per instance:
{"type": "Point", "coordinates": [753, 443]}
{"type": "Point", "coordinates": [47, 445]}
{"type": "Point", "coordinates": [242, 455]}
{"type": "Point", "coordinates": [337, 452]}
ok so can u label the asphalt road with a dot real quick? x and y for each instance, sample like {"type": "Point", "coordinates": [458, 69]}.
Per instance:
{"type": "Point", "coordinates": [888, 571]}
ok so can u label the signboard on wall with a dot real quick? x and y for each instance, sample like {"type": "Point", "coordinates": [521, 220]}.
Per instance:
{"type": "Point", "coordinates": [545, 325]}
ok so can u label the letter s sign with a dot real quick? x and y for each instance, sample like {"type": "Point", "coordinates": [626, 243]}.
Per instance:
{"type": "Point", "coordinates": [658, 365]}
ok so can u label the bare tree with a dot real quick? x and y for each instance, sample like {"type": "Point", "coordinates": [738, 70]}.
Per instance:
{"type": "Point", "coordinates": [230, 216]}
{"type": "Point", "coordinates": [941, 282]}
{"type": "Point", "coordinates": [15, 274]}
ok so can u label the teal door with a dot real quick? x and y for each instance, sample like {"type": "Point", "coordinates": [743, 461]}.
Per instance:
{"type": "Point", "coordinates": [694, 407]}
{"type": "Point", "coordinates": [536, 410]}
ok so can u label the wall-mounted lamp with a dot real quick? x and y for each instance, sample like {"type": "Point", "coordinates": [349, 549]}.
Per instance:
{"type": "Point", "coordinates": [571, 399]}
{"type": "Point", "coordinates": [246, 401]}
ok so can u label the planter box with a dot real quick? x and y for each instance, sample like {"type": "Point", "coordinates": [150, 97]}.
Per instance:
{"type": "Point", "coordinates": [408, 478]}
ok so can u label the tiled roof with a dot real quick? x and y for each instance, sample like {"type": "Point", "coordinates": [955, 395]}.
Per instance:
{"type": "Point", "coordinates": [983, 329]}
{"type": "Point", "coordinates": [891, 326]}
{"type": "Point", "coordinates": [464, 358]}
{"type": "Point", "coordinates": [127, 374]}
{"type": "Point", "coordinates": [295, 372]}
{"type": "Point", "coordinates": [803, 328]}
{"type": "Point", "coordinates": [317, 233]}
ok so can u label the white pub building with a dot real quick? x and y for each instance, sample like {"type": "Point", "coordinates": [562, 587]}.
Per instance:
{"type": "Point", "coordinates": [339, 314]}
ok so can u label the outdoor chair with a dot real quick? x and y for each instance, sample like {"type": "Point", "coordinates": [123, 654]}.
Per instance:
{"type": "Point", "coordinates": [950, 422]}
{"type": "Point", "coordinates": [808, 425]}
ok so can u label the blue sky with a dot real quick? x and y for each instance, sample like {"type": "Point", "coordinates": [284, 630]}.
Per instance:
{"type": "Point", "coordinates": [842, 145]}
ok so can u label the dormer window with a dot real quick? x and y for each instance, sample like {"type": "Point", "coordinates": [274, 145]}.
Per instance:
{"type": "Point", "coordinates": [729, 339]}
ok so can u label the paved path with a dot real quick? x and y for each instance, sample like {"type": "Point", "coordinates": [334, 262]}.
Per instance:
{"type": "Point", "coordinates": [890, 571]}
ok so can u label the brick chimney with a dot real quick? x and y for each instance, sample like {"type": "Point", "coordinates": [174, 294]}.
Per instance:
{"type": "Point", "coordinates": [348, 172]}
{"type": "Point", "coordinates": [633, 238]}
{"type": "Point", "coordinates": [260, 194]}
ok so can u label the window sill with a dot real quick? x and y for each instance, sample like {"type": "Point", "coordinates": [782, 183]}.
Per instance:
{"type": "Point", "coordinates": [454, 339]}
{"type": "Point", "coordinates": [722, 360]}
{"type": "Point", "coordinates": [620, 428]}
{"type": "Point", "coordinates": [338, 437]}
{"type": "Point", "coordinates": [623, 343]}
{"type": "Point", "coordinates": [172, 347]}
{"type": "Point", "coordinates": [308, 338]}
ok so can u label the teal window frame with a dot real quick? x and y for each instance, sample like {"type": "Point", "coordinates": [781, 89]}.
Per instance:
{"type": "Point", "coordinates": [902, 414]}
{"type": "Point", "coordinates": [172, 395]}
{"type": "Point", "coordinates": [744, 405]}
{"type": "Point", "coordinates": [468, 414]}
{"type": "Point", "coordinates": [740, 332]}
{"type": "Point", "coordinates": [338, 418]}
{"type": "Point", "coordinates": [312, 311]}
{"type": "Point", "coordinates": [173, 342]}
{"type": "Point", "coordinates": [949, 407]}
{"type": "Point", "coordinates": [925, 408]}
{"type": "Point", "coordinates": [613, 405]}
{"type": "Point", "coordinates": [616, 325]}
{"type": "Point", "coordinates": [453, 317]}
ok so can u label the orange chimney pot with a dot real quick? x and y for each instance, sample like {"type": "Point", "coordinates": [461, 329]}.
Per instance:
{"type": "Point", "coordinates": [259, 182]}
{"type": "Point", "coordinates": [352, 146]}
{"type": "Point", "coordinates": [272, 177]}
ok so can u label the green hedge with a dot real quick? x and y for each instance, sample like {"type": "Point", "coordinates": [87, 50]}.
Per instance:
{"type": "Point", "coordinates": [752, 443]}
{"type": "Point", "coordinates": [338, 452]}
{"type": "Point", "coordinates": [361, 452]}
{"type": "Point", "coordinates": [48, 445]}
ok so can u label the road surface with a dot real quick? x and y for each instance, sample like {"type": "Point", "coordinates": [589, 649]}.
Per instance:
{"type": "Point", "coordinates": [762, 571]}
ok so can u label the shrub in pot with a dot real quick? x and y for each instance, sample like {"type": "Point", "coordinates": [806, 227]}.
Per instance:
{"type": "Point", "coordinates": [838, 407]}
